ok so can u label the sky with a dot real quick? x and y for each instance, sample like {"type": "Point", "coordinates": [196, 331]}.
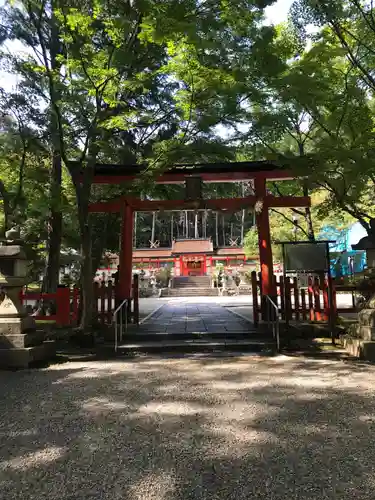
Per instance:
{"type": "Point", "coordinates": [275, 14]}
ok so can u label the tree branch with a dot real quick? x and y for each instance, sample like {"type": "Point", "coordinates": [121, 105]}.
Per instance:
{"type": "Point", "coordinates": [351, 56]}
{"type": "Point", "coordinates": [289, 220]}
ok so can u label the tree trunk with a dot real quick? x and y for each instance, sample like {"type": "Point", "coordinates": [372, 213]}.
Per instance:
{"type": "Point", "coordinates": [6, 207]}
{"type": "Point", "coordinates": [153, 227]}
{"type": "Point", "coordinates": [82, 186]}
{"type": "Point", "coordinates": [204, 222]}
{"type": "Point", "coordinates": [172, 221]}
{"type": "Point", "coordinates": [243, 215]}
{"type": "Point", "coordinates": [87, 290]}
{"type": "Point", "coordinates": [183, 223]}
{"type": "Point", "coordinates": [196, 233]}
{"type": "Point", "coordinates": [99, 241]}
{"type": "Point", "coordinates": [52, 271]}
{"type": "Point", "coordinates": [135, 230]}
{"type": "Point", "coordinates": [217, 229]}
{"type": "Point", "coordinates": [308, 218]}
{"type": "Point", "coordinates": [223, 228]}
{"type": "Point", "coordinates": [86, 270]}
{"type": "Point", "coordinates": [186, 224]}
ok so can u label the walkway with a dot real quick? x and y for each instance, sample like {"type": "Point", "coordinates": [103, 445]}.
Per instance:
{"type": "Point", "coordinates": [197, 428]}
{"type": "Point", "coordinates": [197, 316]}
{"type": "Point", "coordinates": [192, 324]}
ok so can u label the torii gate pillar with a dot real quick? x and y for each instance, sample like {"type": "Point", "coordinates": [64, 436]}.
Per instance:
{"type": "Point", "coordinates": [264, 236]}
{"type": "Point", "coordinates": [126, 254]}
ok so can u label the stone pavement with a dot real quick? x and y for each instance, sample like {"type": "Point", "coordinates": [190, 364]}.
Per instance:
{"type": "Point", "coordinates": [199, 316]}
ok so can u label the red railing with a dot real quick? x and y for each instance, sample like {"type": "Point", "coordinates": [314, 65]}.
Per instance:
{"type": "Point", "coordinates": [66, 305]}
{"type": "Point", "coordinates": [106, 301]}
{"type": "Point", "coordinates": [316, 302]}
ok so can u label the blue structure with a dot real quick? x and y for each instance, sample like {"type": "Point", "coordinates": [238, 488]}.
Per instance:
{"type": "Point", "coordinates": [344, 260]}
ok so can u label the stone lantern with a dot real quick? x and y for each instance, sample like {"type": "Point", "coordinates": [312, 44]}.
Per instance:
{"type": "Point", "coordinates": [13, 276]}
{"type": "Point", "coordinates": [368, 244]}
{"type": "Point", "coordinates": [360, 340]}
{"type": "Point", "coordinates": [20, 342]}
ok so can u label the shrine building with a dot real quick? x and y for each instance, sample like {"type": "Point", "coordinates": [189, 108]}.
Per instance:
{"type": "Point", "coordinates": [190, 257]}
{"type": "Point", "coordinates": [187, 257]}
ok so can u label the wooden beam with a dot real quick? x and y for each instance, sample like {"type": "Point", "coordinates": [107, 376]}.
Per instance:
{"type": "Point", "coordinates": [287, 201]}
{"type": "Point", "coordinates": [179, 178]}
{"type": "Point", "coordinates": [230, 204]}
{"type": "Point", "coordinates": [215, 204]}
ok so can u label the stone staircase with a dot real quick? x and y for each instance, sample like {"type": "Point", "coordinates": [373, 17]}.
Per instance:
{"type": "Point", "coordinates": [189, 292]}
{"type": "Point", "coordinates": [190, 286]}
{"type": "Point", "coordinates": [140, 341]}
{"type": "Point", "coordinates": [191, 282]}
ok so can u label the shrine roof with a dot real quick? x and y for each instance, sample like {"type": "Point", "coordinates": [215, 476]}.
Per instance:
{"type": "Point", "coordinates": [145, 253]}
{"type": "Point", "coordinates": [203, 245]}
{"type": "Point", "coordinates": [185, 247]}
{"type": "Point", "coordinates": [230, 251]}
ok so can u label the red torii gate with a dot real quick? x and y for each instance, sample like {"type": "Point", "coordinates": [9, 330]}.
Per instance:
{"type": "Point", "coordinates": [258, 172]}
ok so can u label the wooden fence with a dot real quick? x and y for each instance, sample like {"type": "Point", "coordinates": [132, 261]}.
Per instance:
{"type": "Point", "coordinates": [106, 301]}
{"type": "Point", "coordinates": [61, 307]}
{"type": "Point", "coordinates": [316, 302]}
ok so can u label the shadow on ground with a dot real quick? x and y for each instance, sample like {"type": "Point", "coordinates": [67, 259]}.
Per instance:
{"type": "Point", "coordinates": [195, 428]}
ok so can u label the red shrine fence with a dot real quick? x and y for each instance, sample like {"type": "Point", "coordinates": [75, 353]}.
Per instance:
{"type": "Point", "coordinates": [63, 308]}
{"type": "Point", "coordinates": [315, 303]}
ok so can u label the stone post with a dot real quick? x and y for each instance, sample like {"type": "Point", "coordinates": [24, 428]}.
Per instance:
{"type": "Point", "coordinates": [360, 340]}
{"type": "Point", "coordinates": [366, 321]}
{"type": "Point", "coordinates": [20, 342]}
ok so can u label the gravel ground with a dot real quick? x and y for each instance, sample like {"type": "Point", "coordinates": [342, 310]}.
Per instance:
{"type": "Point", "coordinates": [240, 427]}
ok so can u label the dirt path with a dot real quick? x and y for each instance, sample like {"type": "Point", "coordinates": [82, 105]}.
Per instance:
{"type": "Point", "coordinates": [194, 428]}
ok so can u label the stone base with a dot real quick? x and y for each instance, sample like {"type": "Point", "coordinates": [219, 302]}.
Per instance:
{"type": "Point", "coordinates": [359, 348]}
{"type": "Point", "coordinates": [21, 340]}
{"type": "Point", "coordinates": [16, 326]}
{"type": "Point", "coordinates": [365, 332]}
{"type": "Point", "coordinates": [23, 357]}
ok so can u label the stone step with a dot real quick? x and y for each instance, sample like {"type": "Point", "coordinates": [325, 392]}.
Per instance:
{"type": "Point", "coordinates": [198, 346]}
{"type": "Point", "coordinates": [134, 336]}
{"type": "Point", "coordinates": [192, 285]}
{"type": "Point", "coordinates": [189, 292]}
{"type": "Point", "coordinates": [191, 281]}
